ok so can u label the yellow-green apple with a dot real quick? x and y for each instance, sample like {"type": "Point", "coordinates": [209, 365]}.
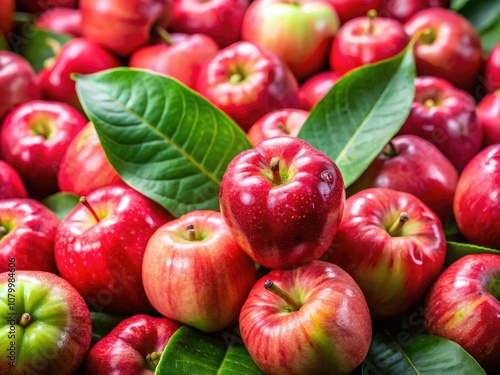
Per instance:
{"type": "Point", "coordinates": [312, 319]}
{"type": "Point", "coordinates": [365, 40]}
{"type": "Point", "coordinates": [6, 15]}
{"type": "Point", "coordinates": [303, 31]}
{"type": "Point", "coordinates": [181, 58]}
{"type": "Point", "coordinates": [220, 19]}
{"type": "Point", "coordinates": [27, 232]}
{"type": "Point", "coordinates": [133, 347]}
{"type": "Point", "coordinates": [449, 46]}
{"type": "Point", "coordinates": [45, 324]}
{"type": "Point", "coordinates": [492, 69]}
{"type": "Point", "coordinates": [488, 115]}
{"type": "Point", "coordinates": [61, 21]}
{"type": "Point", "coordinates": [194, 272]}
{"type": "Point", "coordinates": [42, 5]}
{"type": "Point", "coordinates": [349, 9]}
{"type": "Point", "coordinates": [85, 166]}
{"type": "Point", "coordinates": [128, 23]}
{"type": "Point", "coordinates": [100, 245]}
{"type": "Point", "coordinates": [393, 245]}
{"type": "Point", "coordinates": [35, 137]}
{"type": "Point", "coordinates": [403, 10]}
{"type": "Point", "coordinates": [281, 122]}
{"type": "Point", "coordinates": [463, 305]}
{"type": "Point", "coordinates": [445, 116]}
{"type": "Point", "coordinates": [398, 164]}
{"type": "Point", "coordinates": [18, 82]}
{"type": "Point", "coordinates": [283, 201]}
{"type": "Point", "coordinates": [477, 199]}
{"type": "Point", "coordinates": [316, 87]}
{"type": "Point", "coordinates": [246, 82]}
{"type": "Point", "coordinates": [11, 185]}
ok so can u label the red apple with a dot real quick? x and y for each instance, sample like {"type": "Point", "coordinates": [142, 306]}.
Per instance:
{"type": "Point", "coordinates": [27, 232]}
{"type": "Point", "coordinates": [316, 87]}
{"type": "Point", "coordinates": [11, 185]}
{"type": "Point", "coordinates": [283, 201]}
{"type": "Point", "coordinates": [282, 122]}
{"type": "Point", "coordinates": [99, 248]}
{"type": "Point", "coordinates": [134, 346]}
{"type": "Point", "coordinates": [393, 245]}
{"type": "Point", "coordinates": [488, 115]}
{"type": "Point", "coordinates": [413, 165]}
{"type": "Point", "coordinates": [61, 21]}
{"type": "Point", "coordinates": [35, 137]}
{"type": "Point", "coordinates": [220, 19]}
{"type": "Point", "coordinates": [303, 31]}
{"type": "Point", "coordinates": [463, 306]}
{"type": "Point", "coordinates": [492, 69]}
{"type": "Point", "coordinates": [195, 273]}
{"type": "Point", "coordinates": [311, 319]}
{"type": "Point", "coordinates": [246, 82]}
{"type": "Point", "coordinates": [449, 46]}
{"type": "Point", "coordinates": [477, 200]}
{"type": "Point", "coordinates": [446, 117]}
{"type": "Point", "coordinates": [79, 55]}
{"type": "Point", "coordinates": [366, 40]}
{"type": "Point", "coordinates": [122, 26]}
{"type": "Point", "coordinates": [349, 9]}
{"type": "Point", "coordinates": [18, 82]}
{"type": "Point", "coordinates": [182, 59]}
{"type": "Point", "coordinates": [37, 6]}
{"type": "Point", "coordinates": [6, 15]}
{"type": "Point", "coordinates": [403, 10]}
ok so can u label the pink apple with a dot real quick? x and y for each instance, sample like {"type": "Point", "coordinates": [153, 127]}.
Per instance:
{"type": "Point", "coordinates": [403, 10]}
{"type": "Point", "coordinates": [316, 87]}
{"type": "Point", "coordinates": [311, 319]}
{"type": "Point", "coordinates": [492, 69]}
{"type": "Point", "coordinates": [11, 185]}
{"type": "Point", "coordinates": [488, 115]}
{"type": "Point", "coordinates": [61, 21]}
{"type": "Point", "coordinates": [195, 273]}
{"type": "Point", "coordinates": [349, 9]}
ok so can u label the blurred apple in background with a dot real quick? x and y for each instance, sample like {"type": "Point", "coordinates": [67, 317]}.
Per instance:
{"type": "Point", "coordinates": [403, 10]}
{"type": "Point", "coordinates": [349, 9]}
{"type": "Point", "coordinates": [316, 87]}
{"type": "Point", "coordinates": [11, 185]}
{"type": "Point", "coordinates": [61, 21]}
{"type": "Point", "coordinates": [488, 115]}
{"type": "Point", "coordinates": [33, 6]}
{"type": "Point", "coordinates": [7, 8]}
{"type": "Point", "coordinates": [492, 69]}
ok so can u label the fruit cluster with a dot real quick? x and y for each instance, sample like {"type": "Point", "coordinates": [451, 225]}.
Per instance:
{"type": "Point", "coordinates": [174, 171]}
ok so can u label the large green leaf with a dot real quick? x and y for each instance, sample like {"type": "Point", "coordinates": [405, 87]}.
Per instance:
{"type": "Point", "coordinates": [163, 139]}
{"type": "Point", "coordinates": [362, 112]}
{"type": "Point", "coordinates": [190, 351]}
{"type": "Point", "coordinates": [458, 4]}
{"type": "Point", "coordinates": [417, 354]}
{"type": "Point", "coordinates": [61, 203]}
{"type": "Point", "coordinates": [455, 251]}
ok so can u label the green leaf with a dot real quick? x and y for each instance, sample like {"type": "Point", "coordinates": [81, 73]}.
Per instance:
{"type": "Point", "coordinates": [415, 354]}
{"type": "Point", "coordinates": [190, 351]}
{"type": "Point", "coordinates": [162, 138]}
{"type": "Point", "coordinates": [362, 113]}
{"type": "Point", "coordinates": [3, 43]}
{"type": "Point", "coordinates": [102, 324]}
{"type": "Point", "coordinates": [490, 36]}
{"type": "Point", "coordinates": [481, 13]}
{"type": "Point", "coordinates": [455, 251]}
{"type": "Point", "coordinates": [458, 4]}
{"type": "Point", "coordinates": [61, 203]}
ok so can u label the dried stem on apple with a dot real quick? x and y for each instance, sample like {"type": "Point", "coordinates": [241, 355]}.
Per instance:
{"type": "Point", "coordinates": [391, 152]}
{"type": "Point", "coordinates": [282, 127]}
{"type": "Point", "coordinates": [190, 233]}
{"type": "Point", "coordinates": [397, 226]}
{"type": "Point", "coordinates": [372, 14]}
{"type": "Point", "coordinates": [164, 34]}
{"type": "Point", "coordinates": [152, 360]}
{"type": "Point", "coordinates": [84, 201]}
{"type": "Point", "coordinates": [275, 168]}
{"type": "Point", "coordinates": [3, 231]}
{"type": "Point", "coordinates": [25, 319]}
{"type": "Point", "coordinates": [293, 305]}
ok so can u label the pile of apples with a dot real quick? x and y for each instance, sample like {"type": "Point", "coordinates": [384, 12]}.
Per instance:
{"type": "Point", "coordinates": [302, 264]}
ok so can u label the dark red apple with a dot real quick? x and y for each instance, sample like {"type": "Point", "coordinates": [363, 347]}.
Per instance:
{"type": "Point", "coordinates": [488, 115]}
{"type": "Point", "coordinates": [349, 9]}
{"type": "Point", "coordinates": [403, 10]}
{"type": "Point", "coordinates": [7, 8]}
{"type": "Point", "coordinates": [316, 87]}
{"type": "Point", "coordinates": [11, 185]}
{"type": "Point", "coordinates": [246, 82]}
{"type": "Point", "coordinates": [492, 69]}
{"type": "Point", "coordinates": [37, 6]}
{"type": "Point", "coordinates": [61, 21]}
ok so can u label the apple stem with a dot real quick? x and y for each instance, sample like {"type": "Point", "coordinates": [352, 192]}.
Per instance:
{"type": "Point", "coordinates": [3, 231]}
{"type": "Point", "coordinates": [275, 168]}
{"type": "Point", "coordinates": [391, 152]}
{"type": "Point", "coordinates": [190, 233]}
{"type": "Point", "coordinates": [428, 36]}
{"type": "Point", "coordinates": [84, 201]}
{"type": "Point", "coordinates": [397, 226]}
{"type": "Point", "coordinates": [293, 305]}
{"type": "Point", "coordinates": [164, 34]}
{"type": "Point", "coordinates": [25, 319]}
{"type": "Point", "coordinates": [283, 128]}
{"type": "Point", "coordinates": [152, 360]}
{"type": "Point", "coordinates": [372, 14]}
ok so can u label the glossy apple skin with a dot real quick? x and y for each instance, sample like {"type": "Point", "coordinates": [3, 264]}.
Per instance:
{"type": "Point", "coordinates": [392, 271]}
{"type": "Point", "coordinates": [61, 21]}
{"type": "Point", "coordinates": [201, 282]}
{"type": "Point", "coordinates": [7, 8]}
{"type": "Point", "coordinates": [79, 55]}
{"type": "Point", "coordinates": [455, 54]}
{"type": "Point", "coordinates": [246, 82]}
{"type": "Point", "coordinates": [282, 122]}
{"type": "Point", "coordinates": [31, 229]}
{"type": "Point", "coordinates": [476, 204]}
{"type": "Point", "coordinates": [329, 334]}
{"type": "Point", "coordinates": [397, 169]}
{"type": "Point", "coordinates": [36, 155]}
{"type": "Point", "coordinates": [182, 59]}
{"type": "Point", "coordinates": [349, 9]}
{"type": "Point", "coordinates": [463, 306]}
{"type": "Point", "coordinates": [219, 19]}
{"type": "Point", "coordinates": [11, 185]}
{"type": "Point", "coordinates": [85, 166]}
{"type": "Point", "coordinates": [59, 334]}
{"type": "Point", "coordinates": [129, 343]}
{"type": "Point", "coordinates": [355, 45]}
{"type": "Point", "coordinates": [280, 225]}
{"type": "Point", "coordinates": [103, 260]}
{"type": "Point", "coordinates": [18, 82]}
{"type": "Point", "coordinates": [403, 10]}
{"type": "Point", "coordinates": [43, 5]}
{"type": "Point", "coordinates": [449, 121]}
{"type": "Point", "coordinates": [128, 23]}
{"type": "Point", "coordinates": [492, 69]}
{"type": "Point", "coordinates": [302, 32]}
{"type": "Point", "coordinates": [315, 88]}
{"type": "Point", "coordinates": [488, 115]}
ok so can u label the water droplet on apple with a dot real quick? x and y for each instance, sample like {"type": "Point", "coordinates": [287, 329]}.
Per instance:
{"type": "Point", "coordinates": [327, 177]}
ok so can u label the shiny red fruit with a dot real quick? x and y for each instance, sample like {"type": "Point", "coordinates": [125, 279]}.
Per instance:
{"type": "Point", "coordinates": [488, 115]}
{"type": "Point", "coordinates": [492, 69]}
{"type": "Point", "coordinates": [11, 185]}
{"type": "Point", "coordinates": [61, 21]}
{"type": "Point", "coordinates": [316, 87]}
